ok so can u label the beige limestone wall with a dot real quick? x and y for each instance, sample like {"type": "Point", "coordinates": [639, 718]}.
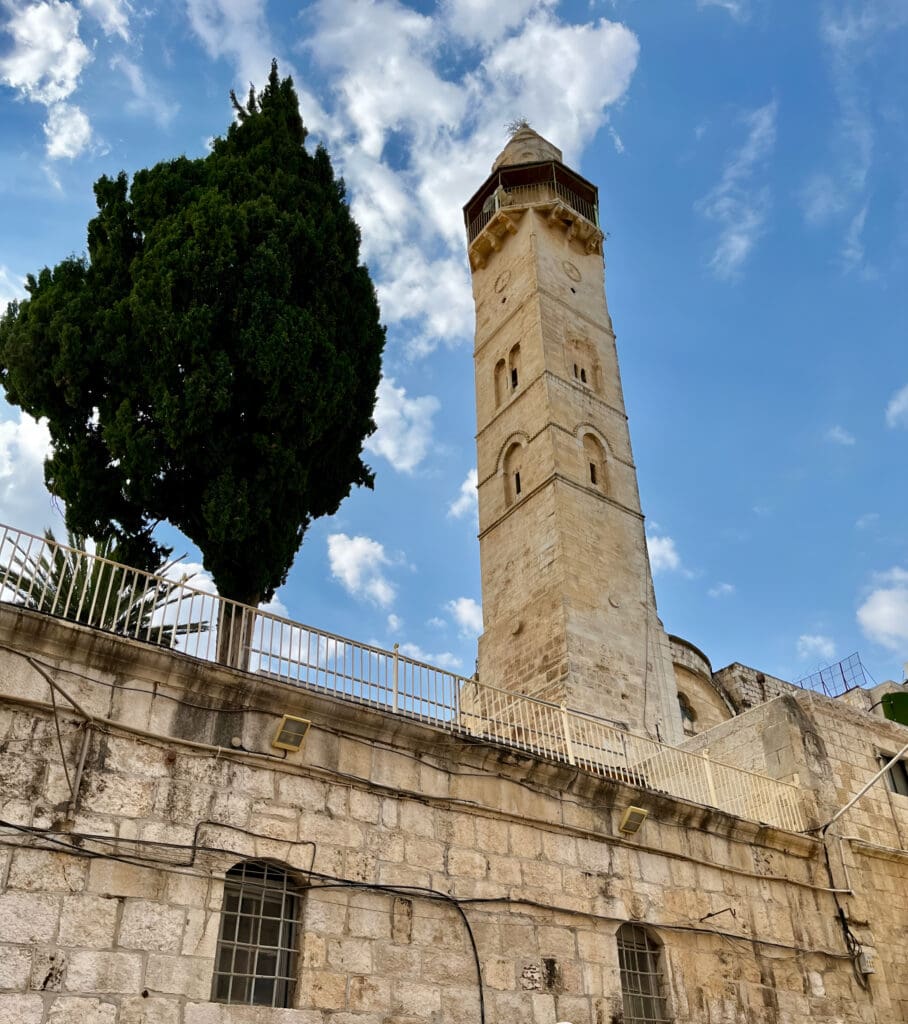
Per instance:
{"type": "Point", "coordinates": [399, 836]}
{"type": "Point", "coordinates": [568, 605]}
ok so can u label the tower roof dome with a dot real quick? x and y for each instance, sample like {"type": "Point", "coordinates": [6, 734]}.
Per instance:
{"type": "Point", "coordinates": [526, 146]}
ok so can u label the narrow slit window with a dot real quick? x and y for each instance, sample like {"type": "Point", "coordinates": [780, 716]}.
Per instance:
{"type": "Point", "coordinates": [255, 963]}
{"type": "Point", "coordinates": [583, 375]}
{"type": "Point", "coordinates": [593, 473]}
{"type": "Point", "coordinates": [517, 482]}
{"type": "Point", "coordinates": [576, 374]}
{"type": "Point", "coordinates": [514, 377]}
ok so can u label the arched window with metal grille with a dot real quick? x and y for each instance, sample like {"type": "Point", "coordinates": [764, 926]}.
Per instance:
{"type": "Point", "coordinates": [256, 953]}
{"type": "Point", "coordinates": [642, 977]}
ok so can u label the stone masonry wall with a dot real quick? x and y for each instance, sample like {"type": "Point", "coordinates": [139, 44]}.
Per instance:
{"type": "Point", "coordinates": [405, 841]}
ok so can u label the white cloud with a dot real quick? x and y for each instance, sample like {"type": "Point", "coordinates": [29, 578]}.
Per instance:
{"type": "Point", "coordinates": [467, 502]}
{"type": "Point", "coordinates": [485, 23]}
{"type": "Point", "coordinates": [237, 29]}
{"type": "Point", "coordinates": [839, 435]}
{"type": "Point", "coordinates": [852, 34]}
{"type": "Point", "coordinates": [853, 253]}
{"type": "Point", "coordinates": [11, 287]}
{"type": "Point", "coordinates": [436, 623]}
{"type": "Point", "coordinates": [414, 129]}
{"type": "Point", "coordinates": [721, 590]}
{"type": "Point", "coordinates": [445, 660]}
{"type": "Point", "coordinates": [394, 623]}
{"type": "Point", "coordinates": [357, 563]}
{"type": "Point", "coordinates": [815, 646]}
{"type": "Point", "coordinates": [897, 409]}
{"type": "Point", "coordinates": [112, 14]}
{"type": "Point", "coordinates": [147, 100]}
{"type": "Point", "coordinates": [44, 66]}
{"type": "Point", "coordinates": [738, 204]}
{"type": "Point", "coordinates": [467, 614]}
{"type": "Point", "coordinates": [47, 55]}
{"type": "Point", "coordinates": [738, 9]}
{"type": "Point", "coordinates": [67, 130]}
{"type": "Point", "coordinates": [867, 520]}
{"type": "Point", "coordinates": [404, 426]}
{"type": "Point", "coordinates": [821, 199]}
{"type": "Point", "coordinates": [24, 500]}
{"type": "Point", "coordinates": [663, 555]}
{"type": "Point", "coordinates": [883, 615]}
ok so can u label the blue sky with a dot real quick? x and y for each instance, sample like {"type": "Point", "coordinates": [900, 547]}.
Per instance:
{"type": "Point", "coordinates": [750, 158]}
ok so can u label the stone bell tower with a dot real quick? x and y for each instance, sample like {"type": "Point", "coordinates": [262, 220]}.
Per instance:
{"type": "Point", "coordinates": [569, 611]}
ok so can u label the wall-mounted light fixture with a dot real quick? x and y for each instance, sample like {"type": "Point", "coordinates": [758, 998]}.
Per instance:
{"type": "Point", "coordinates": [291, 731]}
{"type": "Point", "coordinates": [632, 820]}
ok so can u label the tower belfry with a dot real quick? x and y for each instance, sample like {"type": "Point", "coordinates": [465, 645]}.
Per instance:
{"type": "Point", "coordinates": [569, 611]}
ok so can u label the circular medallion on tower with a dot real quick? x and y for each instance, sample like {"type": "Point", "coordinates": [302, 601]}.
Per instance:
{"type": "Point", "coordinates": [501, 282]}
{"type": "Point", "coordinates": [572, 272]}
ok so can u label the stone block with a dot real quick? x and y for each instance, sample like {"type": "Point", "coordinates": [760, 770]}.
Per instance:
{"type": "Point", "coordinates": [425, 853]}
{"type": "Point", "coordinates": [417, 819]}
{"type": "Point", "coordinates": [449, 968]}
{"type": "Point", "coordinates": [364, 806]}
{"type": "Point", "coordinates": [21, 1009]}
{"type": "Point", "coordinates": [123, 795]}
{"type": "Point", "coordinates": [499, 973]}
{"type": "Point", "coordinates": [324, 990]}
{"type": "Point", "coordinates": [353, 956]}
{"type": "Point", "coordinates": [45, 871]}
{"type": "Point", "coordinates": [179, 975]}
{"type": "Point", "coordinates": [73, 1010]}
{"type": "Point", "coordinates": [92, 971]}
{"type": "Point", "coordinates": [87, 920]}
{"type": "Point", "coordinates": [467, 863]}
{"type": "Point", "coordinates": [149, 1010]}
{"type": "Point", "coordinates": [15, 967]}
{"type": "Point", "coordinates": [200, 936]}
{"type": "Point", "coordinates": [112, 878]}
{"type": "Point", "coordinates": [369, 924]}
{"type": "Point", "coordinates": [149, 925]}
{"type": "Point", "coordinates": [369, 994]}
{"type": "Point", "coordinates": [28, 917]}
{"type": "Point", "coordinates": [415, 999]}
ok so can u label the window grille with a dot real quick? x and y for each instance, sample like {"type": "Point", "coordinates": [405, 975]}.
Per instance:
{"type": "Point", "coordinates": [256, 953]}
{"type": "Point", "coordinates": [641, 977]}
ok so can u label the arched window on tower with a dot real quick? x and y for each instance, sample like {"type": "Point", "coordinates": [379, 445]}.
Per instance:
{"type": "Point", "coordinates": [255, 962]}
{"type": "Point", "coordinates": [513, 485]}
{"type": "Point", "coordinates": [501, 384]}
{"type": "Point", "coordinates": [514, 366]}
{"type": "Point", "coordinates": [642, 976]}
{"type": "Point", "coordinates": [594, 460]}
{"type": "Point", "coordinates": [583, 363]}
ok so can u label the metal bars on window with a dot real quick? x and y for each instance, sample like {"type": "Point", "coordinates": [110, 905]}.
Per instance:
{"type": "Point", "coordinates": [256, 954]}
{"type": "Point", "coordinates": [641, 977]}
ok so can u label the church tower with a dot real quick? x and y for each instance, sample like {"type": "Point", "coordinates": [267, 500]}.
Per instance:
{"type": "Point", "coordinates": [569, 612]}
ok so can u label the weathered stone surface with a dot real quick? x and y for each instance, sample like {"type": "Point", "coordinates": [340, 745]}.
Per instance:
{"type": "Point", "coordinates": [20, 1009]}
{"type": "Point", "coordinates": [74, 1010]}
{"type": "Point", "coordinates": [91, 971]}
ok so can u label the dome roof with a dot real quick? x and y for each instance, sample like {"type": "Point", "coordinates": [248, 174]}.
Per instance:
{"type": "Point", "coordinates": [526, 147]}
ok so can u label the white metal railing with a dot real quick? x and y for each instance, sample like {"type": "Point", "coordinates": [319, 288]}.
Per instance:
{"type": "Point", "coordinates": [41, 574]}
{"type": "Point", "coordinates": [538, 192]}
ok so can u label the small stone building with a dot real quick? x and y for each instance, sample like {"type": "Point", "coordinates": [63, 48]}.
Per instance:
{"type": "Point", "coordinates": [597, 829]}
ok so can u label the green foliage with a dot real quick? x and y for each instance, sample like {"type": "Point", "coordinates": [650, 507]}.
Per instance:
{"type": "Point", "coordinates": [93, 589]}
{"type": "Point", "coordinates": [214, 360]}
